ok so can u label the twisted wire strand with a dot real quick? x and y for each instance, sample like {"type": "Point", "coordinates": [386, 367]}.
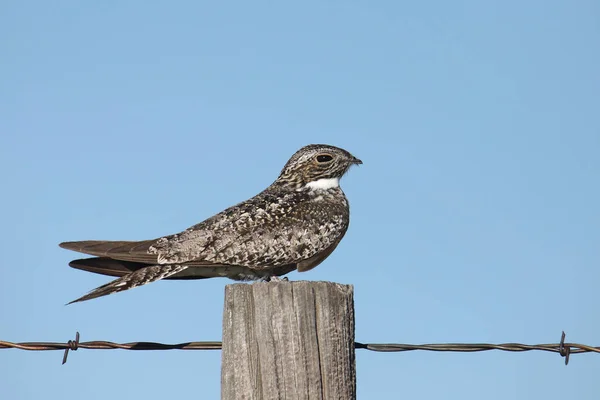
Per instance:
{"type": "Point", "coordinates": [564, 349]}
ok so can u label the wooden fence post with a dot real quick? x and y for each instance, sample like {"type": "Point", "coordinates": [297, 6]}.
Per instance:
{"type": "Point", "coordinates": [288, 340]}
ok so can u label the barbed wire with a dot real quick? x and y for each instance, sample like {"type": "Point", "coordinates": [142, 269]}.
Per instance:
{"type": "Point", "coordinates": [562, 348]}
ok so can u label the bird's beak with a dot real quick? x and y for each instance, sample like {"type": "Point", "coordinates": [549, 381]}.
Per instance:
{"type": "Point", "coordinates": [356, 161]}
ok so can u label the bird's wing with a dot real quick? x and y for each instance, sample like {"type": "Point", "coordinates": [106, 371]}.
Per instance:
{"type": "Point", "coordinates": [112, 267]}
{"type": "Point", "coordinates": [265, 231]}
{"type": "Point", "coordinates": [268, 230]}
{"type": "Point", "coordinates": [118, 250]}
{"type": "Point", "coordinates": [106, 266]}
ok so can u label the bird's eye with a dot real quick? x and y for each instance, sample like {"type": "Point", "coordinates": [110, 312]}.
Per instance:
{"type": "Point", "coordinates": [323, 158]}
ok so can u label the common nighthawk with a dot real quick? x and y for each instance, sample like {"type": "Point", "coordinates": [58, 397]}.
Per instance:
{"type": "Point", "coordinates": [293, 224]}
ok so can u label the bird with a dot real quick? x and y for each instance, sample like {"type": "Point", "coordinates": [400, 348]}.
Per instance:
{"type": "Point", "coordinates": [294, 224]}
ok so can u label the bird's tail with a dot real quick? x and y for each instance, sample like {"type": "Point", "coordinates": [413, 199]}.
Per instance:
{"type": "Point", "coordinates": [134, 279]}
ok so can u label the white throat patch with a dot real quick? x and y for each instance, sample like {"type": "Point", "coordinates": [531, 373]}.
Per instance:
{"type": "Point", "coordinates": [324, 184]}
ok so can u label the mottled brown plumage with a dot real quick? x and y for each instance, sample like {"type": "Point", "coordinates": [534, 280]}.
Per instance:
{"type": "Point", "coordinates": [293, 224]}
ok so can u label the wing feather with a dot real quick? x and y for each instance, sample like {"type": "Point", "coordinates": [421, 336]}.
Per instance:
{"type": "Point", "coordinates": [119, 250]}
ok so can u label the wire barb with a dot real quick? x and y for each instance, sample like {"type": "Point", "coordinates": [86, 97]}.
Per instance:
{"type": "Point", "coordinates": [564, 349]}
{"type": "Point", "coordinates": [72, 345]}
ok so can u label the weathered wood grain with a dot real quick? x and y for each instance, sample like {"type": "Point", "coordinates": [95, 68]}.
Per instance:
{"type": "Point", "coordinates": [288, 340]}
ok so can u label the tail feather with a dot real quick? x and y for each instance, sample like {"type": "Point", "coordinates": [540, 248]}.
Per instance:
{"type": "Point", "coordinates": [133, 279]}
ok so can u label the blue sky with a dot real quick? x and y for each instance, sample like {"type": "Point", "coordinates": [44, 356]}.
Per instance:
{"type": "Point", "coordinates": [475, 217]}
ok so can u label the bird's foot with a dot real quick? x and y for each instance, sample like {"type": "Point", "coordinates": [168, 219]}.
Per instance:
{"type": "Point", "coordinates": [275, 279]}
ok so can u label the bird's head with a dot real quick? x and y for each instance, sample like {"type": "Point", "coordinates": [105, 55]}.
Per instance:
{"type": "Point", "coordinates": [317, 166]}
